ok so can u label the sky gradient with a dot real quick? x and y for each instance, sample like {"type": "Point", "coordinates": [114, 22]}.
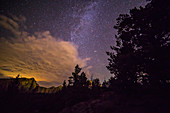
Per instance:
{"type": "Point", "coordinates": [45, 39]}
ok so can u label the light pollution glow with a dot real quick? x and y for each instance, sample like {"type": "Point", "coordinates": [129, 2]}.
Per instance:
{"type": "Point", "coordinates": [41, 56]}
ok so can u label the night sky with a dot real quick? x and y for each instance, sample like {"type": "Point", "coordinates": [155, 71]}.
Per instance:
{"type": "Point", "coordinates": [45, 39]}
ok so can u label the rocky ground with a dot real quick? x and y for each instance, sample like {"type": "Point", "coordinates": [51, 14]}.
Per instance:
{"type": "Point", "coordinates": [110, 102]}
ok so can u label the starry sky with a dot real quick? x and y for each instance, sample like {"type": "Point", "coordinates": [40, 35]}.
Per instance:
{"type": "Point", "coordinates": [45, 39]}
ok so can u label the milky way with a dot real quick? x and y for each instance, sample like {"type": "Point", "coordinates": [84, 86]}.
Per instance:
{"type": "Point", "coordinates": [94, 31]}
{"type": "Point", "coordinates": [87, 24]}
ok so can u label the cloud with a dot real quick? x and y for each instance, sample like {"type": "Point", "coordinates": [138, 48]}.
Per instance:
{"type": "Point", "coordinates": [2, 76]}
{"type": "Point", "coordinates": [12, 27]}
{"type": "Point", "coordinates": [39, 55]}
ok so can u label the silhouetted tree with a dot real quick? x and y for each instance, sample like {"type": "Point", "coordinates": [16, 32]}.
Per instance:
{"type": "Point", "coordinates": [17, 80]}
{"type": "Point", "coordinates": [76, 75]}
{"type": "Point", "coordinates": [83, 79]}
{"type": "Point", "coordinates": [18, 76]}
{"type": "Point", "coordinates": [142, 45]}
{"type": "Point", "coordinates": [70, 81]}
{"type": "Point", "coordinates": [64, 84]}
{"type": "Point", "coordinates": [96, 83]}
{"type": "Point", "coordinates": [104, 85]}
{"type": "Point", "coordinates": [77, 80]}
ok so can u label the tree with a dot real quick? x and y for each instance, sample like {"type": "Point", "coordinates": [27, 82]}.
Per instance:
{"type": "Point", "coordinates": [113, 83]}
{"type": "Point", "coordinates": [64, 84]}
{"type": "Point", "coordinates": [142, 45]}
{"type": "Point", "coordinates": [70, 81]}
{"type": "Point", "coordinates": [77, 80]}
{"type": "Point", "coordinates": [76, 75]}
{"type": "Point", "coordinates": [96, 83]}
{"type": "Point", "coordinates": [17, 76]}
{"type": "Point", "coordinates": [83, 79]}
{"type": "Point", "coordinates": [17, 80]}
{"type": "Point", "coordinates": [105, 84]}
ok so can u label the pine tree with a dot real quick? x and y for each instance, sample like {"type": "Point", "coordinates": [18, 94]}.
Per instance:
{"type": "Point", "coordinates": [76, 76]}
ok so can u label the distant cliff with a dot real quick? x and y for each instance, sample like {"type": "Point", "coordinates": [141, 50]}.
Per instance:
{"type": "Point", "coordinates": [25, 85]}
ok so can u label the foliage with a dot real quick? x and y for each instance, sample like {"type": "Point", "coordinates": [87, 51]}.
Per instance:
{"type": "Point", "coordinates": [77, 80]}
{"type": "Point", "coordinates": [96, 83]}
{"type": "Point", "coordinates": [104, 84]}
{"type": "Point", "coordinates": [141, 54]}
{"type": "Point", "coordinates": [64, 84]}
